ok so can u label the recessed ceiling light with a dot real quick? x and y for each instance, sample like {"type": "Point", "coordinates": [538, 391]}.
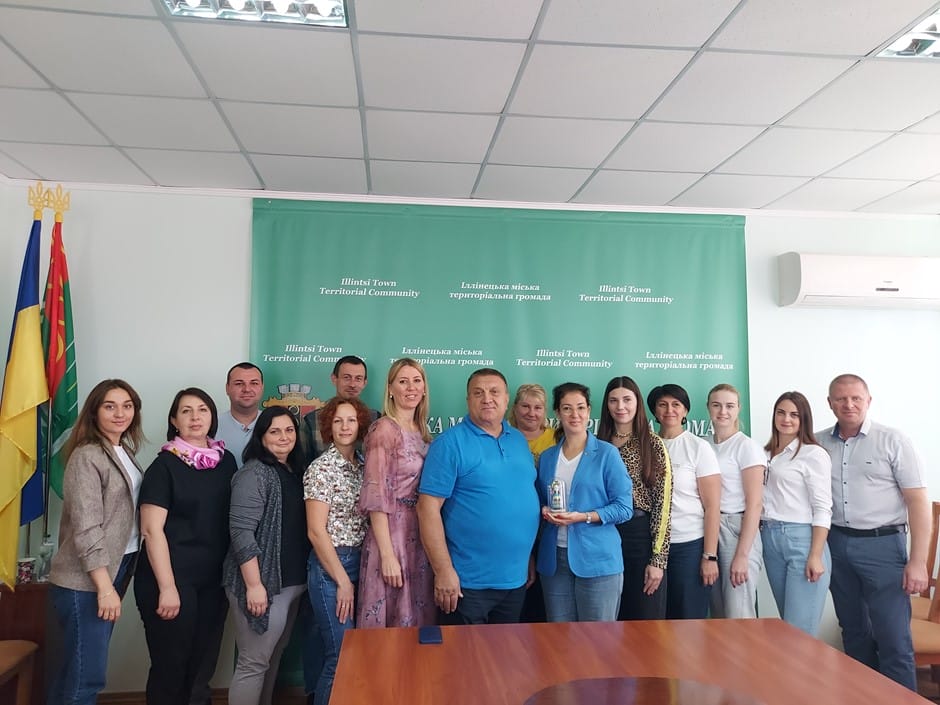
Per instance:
{"type": "Point", "coordinates": [328, 13]}
{"type": "Point", "coordinates": [921, 42]}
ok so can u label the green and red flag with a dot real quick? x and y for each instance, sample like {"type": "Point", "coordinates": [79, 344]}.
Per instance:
{"type": "Point", "coordinates": [59, 348]}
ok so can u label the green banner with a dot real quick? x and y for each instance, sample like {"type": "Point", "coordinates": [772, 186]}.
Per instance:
{"type": "Point", "coordinates": [545, 296]}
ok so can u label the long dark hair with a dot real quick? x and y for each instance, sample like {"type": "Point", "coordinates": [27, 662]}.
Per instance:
{"type": "Point", "coordinates": [640, 427]}
{"type": "Point", "coordinates": [86, 429]}
{"type": "Point", "coordinates": [805, 434]}
{"type": "Point", "coordinates": [255, 450]}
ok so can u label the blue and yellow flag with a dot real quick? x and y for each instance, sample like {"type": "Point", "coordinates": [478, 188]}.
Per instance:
{"type": "Point", "coordinates": [24, 390]}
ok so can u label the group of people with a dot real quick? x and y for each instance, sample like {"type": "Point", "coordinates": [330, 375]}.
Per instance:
{"type": "Point", "coordinates": [349, 517]}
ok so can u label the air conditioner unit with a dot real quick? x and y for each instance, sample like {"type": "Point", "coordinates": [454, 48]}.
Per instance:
{"type": "Point", "coordinates": [857, 281]}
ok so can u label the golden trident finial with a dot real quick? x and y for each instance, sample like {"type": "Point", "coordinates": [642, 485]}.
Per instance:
{"type": "Point", "coordinates": [58, 200]}
{"type": "Point", "coordinates": [37, 199]}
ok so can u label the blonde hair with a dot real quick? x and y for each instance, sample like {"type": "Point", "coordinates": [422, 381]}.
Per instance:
{"type": "Point", "coordinates": [724, 387]}
{"type": "Point", "coordinates": [528, 390]}
{"type": "Point", "coordinates": [421, 411]}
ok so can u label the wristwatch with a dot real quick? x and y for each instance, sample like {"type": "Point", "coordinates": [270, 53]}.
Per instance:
{"type": "Point", "coordinates": [587, 519]}
{"type": "Point", "coordinates": [709, 556]}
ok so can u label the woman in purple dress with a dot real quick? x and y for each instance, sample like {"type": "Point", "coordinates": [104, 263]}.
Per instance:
{"type": "Point", "coordinates": [396, 581]}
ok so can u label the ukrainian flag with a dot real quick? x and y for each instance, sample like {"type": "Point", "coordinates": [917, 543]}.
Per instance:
{"type": "Point", "coordinates": [24, 390]}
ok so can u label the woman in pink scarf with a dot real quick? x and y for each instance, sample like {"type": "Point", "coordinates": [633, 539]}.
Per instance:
{"type": "Point", "coordinates": [184, 522]}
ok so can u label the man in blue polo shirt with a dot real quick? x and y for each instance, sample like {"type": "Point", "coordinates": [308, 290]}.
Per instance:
{"type": "Point", "coordinates": [478, 509]}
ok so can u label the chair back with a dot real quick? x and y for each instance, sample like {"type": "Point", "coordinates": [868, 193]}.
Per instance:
{"type": "Point", "coordinates": [932, 552]}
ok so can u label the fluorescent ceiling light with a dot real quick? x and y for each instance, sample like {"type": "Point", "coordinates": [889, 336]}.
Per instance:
{"type": "Point", "coordinates": [329, 13]}
{"type": "Point", "coordinates": [921, 42]}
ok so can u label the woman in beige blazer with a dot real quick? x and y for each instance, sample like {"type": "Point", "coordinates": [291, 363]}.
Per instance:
{"type": "Point", "coordinates": [98, 538]}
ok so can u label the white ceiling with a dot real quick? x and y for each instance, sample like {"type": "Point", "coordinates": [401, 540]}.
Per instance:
{"type": "Point", "coordinates": [721, 104]}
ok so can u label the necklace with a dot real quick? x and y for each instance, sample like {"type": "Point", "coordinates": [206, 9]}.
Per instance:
{"type": "Point", "coordinates": [622, 435]}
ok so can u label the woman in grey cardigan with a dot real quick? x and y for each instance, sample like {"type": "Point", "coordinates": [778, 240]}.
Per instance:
{"type": "Point", "coordinates": [98, 538]}
{"type": "Point", "coordinates": [265, 570]}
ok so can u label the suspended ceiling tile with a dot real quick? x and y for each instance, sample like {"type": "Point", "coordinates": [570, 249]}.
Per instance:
{"type": "Point", "coordinates": [745, 88]}
{"type": "Point", "coordinates": [635, 188]}
{"type": "Point", "coordinates": [600, 82]}
{"type": "Point", "coordinates": [13, 169]}
{"type": "Point", "coordinates": [931, 125]}
{"type": "Point", "coordinates": [530, 183]}
{"type": "Point", "coordinates": [196, 169]}
{"type": "Point", "coordinates": [783, 151]}
{"type": "Point", "coordinates": [906, 156]}
{"type": "Point", "coordinates": [311, 174]}
{"type": "Point", "coordinates": [734, 191]}
{"type": "Point", "coordinates": [76, 163]}
{"type": "Point", "coordinates": [831, 27]}
{"type": "Point", "coordinates": [143, 8]}
{"type": "Point", "coordinates": [296, 130]}
{"type": "Point", "coordinates": [437, 74]}
{"type": "Point", "coordinates": [428, 137]}
{"type": "Point", "coordinates": [660, 146]}
{"type": "Point", "coordinates": [283, 64]}
{"type": "Point", "coordinates": [170, 123]}
{"type": "Point", "coordinates": [43, 116]}
{"type": "Point", "coordinates": [883, 94]}
{"type": "Point", "coordinates": [671, 23]}
{"type": "Point", "coordinates": [556, 141]}
{"type": "Point", "coordinates": [496, 19]}
{"type": "Point", "coordinates": [101, 54]}
{"type": "Point", "coordinates": [837, 194]}
{"type": "Point", "coordinates": [15, 73]}
{"type": "Point", "coordinates": [923, 197]}
{"type": "Point", "coordinates": [423, 179]}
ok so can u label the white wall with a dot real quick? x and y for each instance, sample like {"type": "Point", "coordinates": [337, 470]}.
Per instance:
{"type": "Point", "coordinates": [803, 348]}
{"type": "Point", "coordinates": [160, 297]}
{"type": "Point", "coordinates": [160, 290]}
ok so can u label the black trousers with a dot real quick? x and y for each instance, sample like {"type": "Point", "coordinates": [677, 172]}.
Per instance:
{"type": "Point", "coordinates": [486, 607]}
{"type": "Point", "coordinates": [179, 647]}
{"type": "Point", "coordinates": [636, 543]}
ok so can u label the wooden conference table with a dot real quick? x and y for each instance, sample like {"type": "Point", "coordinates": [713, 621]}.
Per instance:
{"type": "Point", "coordinates": [759, 661]}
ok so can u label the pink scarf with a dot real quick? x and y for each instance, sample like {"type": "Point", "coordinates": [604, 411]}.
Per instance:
{"type": "Point", "coordinates": [194, 456]}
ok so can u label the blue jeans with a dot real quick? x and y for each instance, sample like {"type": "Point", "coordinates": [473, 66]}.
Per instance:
{"type": "Point", "coordinates": [686, 594]}
{"type": "Point", "coordinates": [728, 601]}
{"type": "Point", "coordinates": [85, 638]}
{"type": "Point", "coordinates": [786, 548]}
{"type": "Point", "coordinates": [570, 598]}
{"type": "Point", "coordinates": [873, 611]}
{"type": "Point", "coordinates": [322, 590]}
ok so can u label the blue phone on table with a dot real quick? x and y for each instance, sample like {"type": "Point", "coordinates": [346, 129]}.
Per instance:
{"type": "Point", "coordinates": [430, 635]}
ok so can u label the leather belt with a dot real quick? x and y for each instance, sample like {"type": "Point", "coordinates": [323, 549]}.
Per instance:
{"type": "Point", "coordinates": [868, 533]}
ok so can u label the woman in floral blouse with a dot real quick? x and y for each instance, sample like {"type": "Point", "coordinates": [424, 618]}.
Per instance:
{"type": "Point", "coordinates": [336, 529]}
{"type": "Point", "coordinates": [645, 538]}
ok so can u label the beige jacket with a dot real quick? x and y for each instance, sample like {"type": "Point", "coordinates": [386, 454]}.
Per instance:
{"type": "Point", "coordinates": [98, 516]}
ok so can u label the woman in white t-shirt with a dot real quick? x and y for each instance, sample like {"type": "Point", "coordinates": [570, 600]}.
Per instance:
{"type": "Point", "coordinates": [797, 514]}
{"type": "Point", "coordinates": [693, 552]}
{"type": "Point", "coordinates": [742, 462]}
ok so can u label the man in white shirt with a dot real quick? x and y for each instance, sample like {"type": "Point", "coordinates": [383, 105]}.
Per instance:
{"type": "Point", "coordinates": [877, 493]}
{"type": "Point", "coordinates": [244, 386]}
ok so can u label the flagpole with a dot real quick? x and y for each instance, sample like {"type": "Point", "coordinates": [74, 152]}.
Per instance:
{"type": "Point", "coordinates": [59, 359]}
{"type": "Point", "coordinates": [38, 200]}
